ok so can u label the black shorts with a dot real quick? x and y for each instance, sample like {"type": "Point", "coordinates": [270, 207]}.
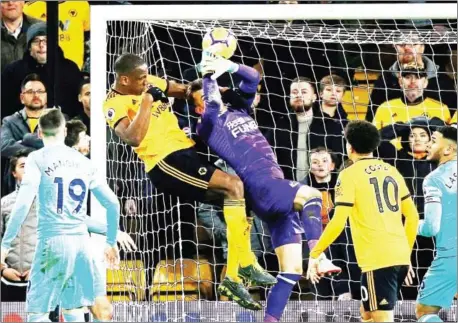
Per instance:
{"type": "Point", "coordinates": [182, 174]}
{"type": "Point", "coordinates": [380, 287]}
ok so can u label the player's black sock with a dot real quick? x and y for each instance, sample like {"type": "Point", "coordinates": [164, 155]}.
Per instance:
{"type": "Point", "coordinates": [279, 296]}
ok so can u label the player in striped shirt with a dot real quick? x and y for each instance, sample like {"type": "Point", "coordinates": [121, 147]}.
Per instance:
{"type": "Point", "coordinates": [439, 284]}
{"type": "Point", "coordinates": [62, 269]}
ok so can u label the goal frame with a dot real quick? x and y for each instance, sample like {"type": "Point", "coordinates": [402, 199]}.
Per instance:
{"type": "Point", "coordinates": [100, 15]}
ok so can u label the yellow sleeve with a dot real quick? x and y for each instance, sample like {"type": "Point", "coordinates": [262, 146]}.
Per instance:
{"type": "Point", "coordinates": [409, 210]}
{"type": "Point", "coordinates": [115, 110]}
{"type": "Point", "coordinates": [344, 201]}
{"type": "Point", "coordinates": [380, 118]}
{"type": "Point", "coordinates": [345, 190]}
{"type": "Point", "coordinates": [332, 231]}
{"type": "Point", "coordinates": [158, 82]}
{"type": "Point", "coordinates": [36, 9]}
{"type": "Point", "coordinates": [86, 15]}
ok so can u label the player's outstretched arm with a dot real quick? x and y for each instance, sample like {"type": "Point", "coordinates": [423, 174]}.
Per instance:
{"type": "Point", "coordinates": [125, 241]}
{"type": "Point", "coordinates": [110, 202]}
{"type": "Point", "coordinates": [430, 226]}
{"type": "Point", "coordinates": [27, 192]}
{"type": "Point", "coordinates": [133, 133]}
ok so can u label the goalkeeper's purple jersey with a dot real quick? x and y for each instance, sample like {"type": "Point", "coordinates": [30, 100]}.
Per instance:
{"type": "Point", "coordinates": [235, 137]}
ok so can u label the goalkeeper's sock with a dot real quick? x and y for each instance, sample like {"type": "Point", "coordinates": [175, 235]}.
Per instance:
{"type": "Point", "coordinates": [311, 219]}
{"type": "Point", "coordinates": [279, 296]}
{"type": "Point", "coordinates": [235, 216]}
{"type": "Point", "coordinates": [246, 256]}
{"type": "Point", "coordinates": [430, 318]}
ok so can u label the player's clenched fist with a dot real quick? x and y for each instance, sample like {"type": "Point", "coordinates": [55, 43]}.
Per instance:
{"type": "Point", "coordinates": [112, 257]}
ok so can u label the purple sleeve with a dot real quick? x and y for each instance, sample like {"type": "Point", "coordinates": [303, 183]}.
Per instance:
{"type": "Point", "coordinates": [212, 101]}
{"type": "Point", "coordinates": [250, 79]}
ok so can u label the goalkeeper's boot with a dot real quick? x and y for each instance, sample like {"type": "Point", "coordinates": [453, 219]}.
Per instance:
{"type": "Point", "coordinates": [235, 291]}
{"type": "Point", "coordinates": [327, 268]}
{"type": "Point", "coordinates": [255, 275]}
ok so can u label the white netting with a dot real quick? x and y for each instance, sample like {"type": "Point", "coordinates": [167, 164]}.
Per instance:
{"type": "Point", "coordinates": [172, 235]}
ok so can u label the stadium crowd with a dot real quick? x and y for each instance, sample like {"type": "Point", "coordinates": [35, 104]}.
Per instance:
{"type": "Point", "coordinates": [302, 108]}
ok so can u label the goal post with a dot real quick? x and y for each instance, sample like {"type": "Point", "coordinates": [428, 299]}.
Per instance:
{"type": "Point", "coordinates": [261, 24]}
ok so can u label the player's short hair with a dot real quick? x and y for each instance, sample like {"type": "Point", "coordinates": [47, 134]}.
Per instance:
{"type": "Point", "coordinates": [193, 86]}
{"type": "Point", "coordinates": [127, 63]}
{"type": "Point", "coordinates": [332, 79]}
{"type": "Point", "coordinates": [33, 77]}
{"type": "Point", "coordinates": [74, 128]}
{"type": "Point", "coordinates": [303, 79]}
{"type": "Point", "coordinates": [84, 81]}
{"type": "Point", "coordinates": [448, 132]}
{"type": "Point", "coordinates": [18, 155]}
{"type": "Point", "coordinates": [363, 136]}
{"type": "Point", "coordinates": [50, 121]}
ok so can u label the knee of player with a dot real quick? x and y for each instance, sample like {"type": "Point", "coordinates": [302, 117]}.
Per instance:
{"type": "Point", "coordinates": [365, 316]}
{"type": "Point", "coordinates": [421, 310]}
{"type": "Point", "coordinates": [304, 195]}
{"type": "Point", "coordinates": [234, 187]}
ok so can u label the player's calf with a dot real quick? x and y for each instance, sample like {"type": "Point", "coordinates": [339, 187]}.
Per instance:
{"type": "Point", "coordinates": [102, 310]}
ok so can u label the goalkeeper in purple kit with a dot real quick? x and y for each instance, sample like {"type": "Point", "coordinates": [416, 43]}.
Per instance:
{"type": "Point", "coordinates": [288, 207]}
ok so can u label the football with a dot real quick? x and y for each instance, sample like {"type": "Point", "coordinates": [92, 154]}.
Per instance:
{"type": "Point", "coordinates": [221, 36]}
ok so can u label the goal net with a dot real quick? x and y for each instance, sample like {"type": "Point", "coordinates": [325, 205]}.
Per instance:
{"type": "Point", "coordinates": [175, 273]}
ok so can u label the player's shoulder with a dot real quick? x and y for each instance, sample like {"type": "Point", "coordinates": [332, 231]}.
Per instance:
{"type": "Point", "coordinates": [115, 100]}
{"type": "Point", "coordinates": [430, 102]}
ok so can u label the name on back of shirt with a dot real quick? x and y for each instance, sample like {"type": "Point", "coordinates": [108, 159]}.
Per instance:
{"type": "Point", "coordinates": [452, 179]}
{"type": "Point", "coordinates": [374, 168]}
{"type": "Point", "coordinates": [61, 163]}
{"type": "Point", "coordinates": [241, 125]}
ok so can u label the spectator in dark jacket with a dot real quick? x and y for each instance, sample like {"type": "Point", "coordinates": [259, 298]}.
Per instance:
{"type": "Point", "coordinates": [440, 86]}
{"type": "Point", "coordinates": [19, 130]}
{"type": "Point", "coordinates": [34, 61]}
{"type": "Point", "coordinates": [84, 97]}
{"type": "Point", "coordinates": [14, 29]}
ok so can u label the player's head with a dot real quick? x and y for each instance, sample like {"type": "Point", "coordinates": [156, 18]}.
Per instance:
{"type": "Point", "coordinates": [17, 164]}
{"type": "Point", "coordinates": [131, 74]}
{"type": "Point", "coordinates": [332, 89]}
{"type": "Point", "coordinates": [33, 92]}
{"type": "Point", "coordinates": [321, 163]}
{"type": "Point", "coordinates": [52, 125]}
{"type": "Point", "coordinates": [195, 95]}
{"type": "Point", "coordinates": [413, 81]}
{"type": "Point", "coordinates": [84, 95]}
{"type": "Point", "coordinates": [443, 144]}
{"type": "Point", "coordinates": [77, 136]}
{"type": "Point", "coordinates": [362, 138]}
{"type": "Point", "coordinates": [301, 94]}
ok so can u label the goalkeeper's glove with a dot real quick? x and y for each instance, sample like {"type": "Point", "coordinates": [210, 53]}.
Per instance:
{"type": "Point", "coordinates": [215, 64]}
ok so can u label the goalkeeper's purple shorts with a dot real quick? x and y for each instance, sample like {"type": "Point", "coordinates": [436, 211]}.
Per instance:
{"type": "Point", "coordinates": [272, 200]}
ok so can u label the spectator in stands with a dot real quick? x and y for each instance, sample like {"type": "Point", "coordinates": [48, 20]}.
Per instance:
{"type": "Point", "coordinates": [387, 87]}
{"type": "Point", "coordinates": [15, 277]}
{"type": "Point", "coordinates": [34, 61]}
{"type": "Point", "coordinates": [74, 26]}
{"type": "Point", "coordinates": [84, 97]}
{"type": "Point", "coordinates": [324, 177]}
{"type": "Point", "coordinates": [14, 28]}
{"type": "Point", "coordinates": [19, 130]}
{"type": "Point", "coordinates": [77, 136]}
{"type": "Point", "coordinates": [329, 117]}
{"type": "Point", "coordinates": [413, 103]}
{"type": "Point", "coordinates": [290, 138]}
